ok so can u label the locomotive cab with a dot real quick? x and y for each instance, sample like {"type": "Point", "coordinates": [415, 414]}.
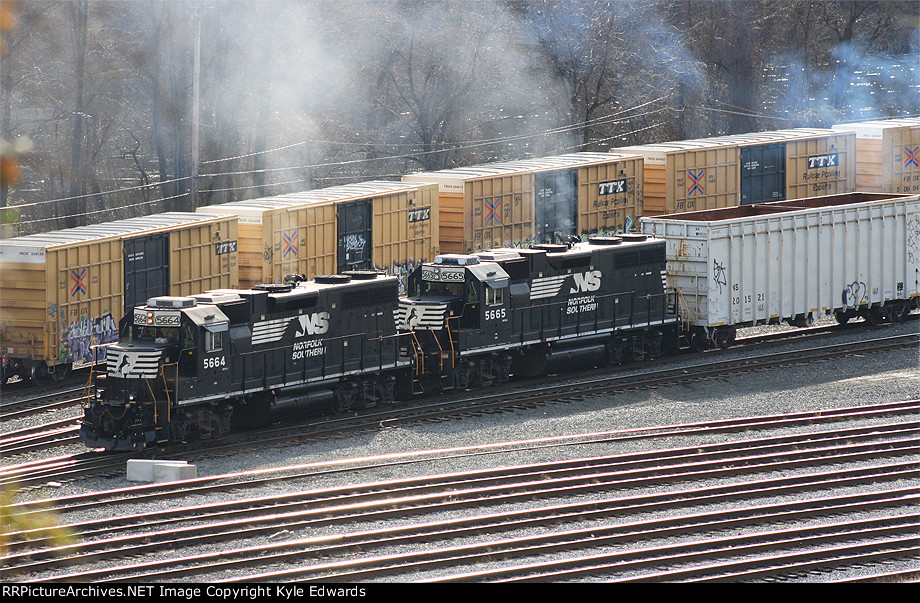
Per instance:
{"type": "Point", "coordinates": [456, 304]}
{"type": "Point", "coordinates": [457, 292]}
{"type": "Point", "coordinates": [169, 347]}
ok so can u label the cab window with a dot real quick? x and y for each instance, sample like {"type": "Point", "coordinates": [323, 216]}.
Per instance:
{"type": "Point", "coordinates": [212, 341]}
{"type": "Point", "coordinates": [495, 297]}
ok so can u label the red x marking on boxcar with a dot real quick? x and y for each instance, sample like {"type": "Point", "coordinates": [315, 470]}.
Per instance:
{"type": "Point", "coordinates": [494, 208]}
{"type": "Point", "coordinates": [78, 286]}
{"type": "Point", "coordinates": [697, 180]}
{"type": "Point", "coordinates": [290, 243]}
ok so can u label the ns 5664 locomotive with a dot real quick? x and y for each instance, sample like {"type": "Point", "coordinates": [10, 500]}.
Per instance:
{"type": "Point", "coordinates": [193, 367]}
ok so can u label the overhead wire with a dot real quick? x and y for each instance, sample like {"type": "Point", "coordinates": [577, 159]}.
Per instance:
{"type": "Point", "coordinates": [624, 114]}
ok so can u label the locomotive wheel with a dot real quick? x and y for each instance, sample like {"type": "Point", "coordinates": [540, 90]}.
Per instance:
{"type": "Point", "coordinates": [613, 355]}
{"type": "Point", "coordinates": [369, 397]}
{"type": "Point", "coordinates": [343, 400]}
{"type": "Point", "coordinates": [484, 376]}
{"type": "Point", "coordinates": [463, 375]}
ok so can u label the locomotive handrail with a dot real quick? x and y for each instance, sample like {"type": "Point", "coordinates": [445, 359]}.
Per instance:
{"type": "Point", "coordinates": [301, 371]}
{"type": "Point", "coordinates": [419, 354]}
{"type": "Point", "coordinates": [544, 310]}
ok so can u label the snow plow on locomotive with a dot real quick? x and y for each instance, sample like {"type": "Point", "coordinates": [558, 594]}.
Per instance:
{"type": "Point", "coordinates": [194, 367]}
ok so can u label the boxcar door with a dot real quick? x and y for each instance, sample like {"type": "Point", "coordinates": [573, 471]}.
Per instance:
{"type": "Point", "coordinates": [354, 234]}
{"type": "Point", "coordinates": [763, 173]}
{"type": "Point", "coordinates": [146, 264]}
{"type": "Point", "coordinates": [555, 205]}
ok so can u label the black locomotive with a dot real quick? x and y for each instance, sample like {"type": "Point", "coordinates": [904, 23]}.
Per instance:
{"type": "Point", "coordinates": [193, 367]}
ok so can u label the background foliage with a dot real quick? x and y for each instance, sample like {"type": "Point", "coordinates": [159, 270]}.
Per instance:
{"type": "Point", "coordinates": [97, 97]}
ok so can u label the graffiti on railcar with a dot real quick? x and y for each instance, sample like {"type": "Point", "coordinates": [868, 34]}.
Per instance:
{"type": "Point", "coordinates": [854, 294]}
{"type": "Point", "coordinates": [80, 336]}
{"type": "Point", "coordinates": [718, 274]}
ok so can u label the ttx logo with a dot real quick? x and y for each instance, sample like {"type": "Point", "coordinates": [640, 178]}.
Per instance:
{"type": "Point", "coordinates": [822, 161]}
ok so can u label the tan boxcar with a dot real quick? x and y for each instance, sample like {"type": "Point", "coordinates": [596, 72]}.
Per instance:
{"type": "Point", "coordinates": [516, 203]}
{"type": "Point", "coordinates": [887, 155]}
{"type": "Point", "coordinates": [65, 291]}
{"type": "Point", "coordinates": [688, 175]}
{"type": "Point", "coordinates": [390, 226]}
{"type": "Point", "coordinates": [817, 162]}
{"type": "Point", "coordinates": [726, 171]}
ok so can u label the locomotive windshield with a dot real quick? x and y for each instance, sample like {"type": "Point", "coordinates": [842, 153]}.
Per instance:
{"type": "Point", "coordinates": [441, 288]}
{"type": "Point", "coordinates": [160, 335]}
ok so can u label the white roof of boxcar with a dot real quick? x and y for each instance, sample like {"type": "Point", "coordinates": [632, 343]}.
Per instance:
{"type": "Point", "coordinates": [332, 194]}
{"type": "Point", "coordinates": [118, 228]}
{"type": "Point", "coordinates": [502, 168]}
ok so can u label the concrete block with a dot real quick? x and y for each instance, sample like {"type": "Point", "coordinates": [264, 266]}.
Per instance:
{"type": "Point", "coordinates": [171, 471]}
{"type": "Point", "coordinates": [140, 470]}
{"type": "Point", "coordinates": [145, 470]}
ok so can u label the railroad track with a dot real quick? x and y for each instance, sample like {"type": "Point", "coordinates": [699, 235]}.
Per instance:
{"type": "Point", "coordinates": [34, 404]}
{"type": "Point", "coordinates": [436, 409]}
{"type": "Point", "coordinates": [747, 508]}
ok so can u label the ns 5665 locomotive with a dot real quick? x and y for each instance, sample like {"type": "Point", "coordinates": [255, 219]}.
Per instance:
{"type": "Point", "coordinates": [193, 367]}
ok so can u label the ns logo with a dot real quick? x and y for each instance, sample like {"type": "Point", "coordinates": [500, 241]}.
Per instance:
{"type": "Point", "coordinates": [313, 324]}
{"type": "Point", "coordinates": [589, 281]}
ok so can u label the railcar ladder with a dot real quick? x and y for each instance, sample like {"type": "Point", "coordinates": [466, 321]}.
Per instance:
{"type": "Point", "coordinates": [683, 315]}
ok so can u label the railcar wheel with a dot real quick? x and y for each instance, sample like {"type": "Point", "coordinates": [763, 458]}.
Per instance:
{"type": "Point", "coordinates": [39, 373]}
{"type": "Point", "coordinates": [841, 316]}
{"type": "Point", "coordinates": [803, 320]}
{"type": "Point", "coordinates": [897, 311]}
{"type": "Point", "coordinates": [724, 337]}
{"type": "Point", "coordinates": [875, 316]}
{"type": "Point", "coordinates": [61, 372]}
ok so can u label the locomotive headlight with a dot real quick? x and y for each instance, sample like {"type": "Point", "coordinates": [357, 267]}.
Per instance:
{"type": "Point", "coordinates": [149, 318]}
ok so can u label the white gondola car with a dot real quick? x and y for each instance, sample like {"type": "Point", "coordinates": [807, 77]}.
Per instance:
{"type": "Point", "coordinates": [849, 255]}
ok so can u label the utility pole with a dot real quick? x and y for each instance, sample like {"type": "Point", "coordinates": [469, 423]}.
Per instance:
{"type": "Point", "coordinates": [196, 112]}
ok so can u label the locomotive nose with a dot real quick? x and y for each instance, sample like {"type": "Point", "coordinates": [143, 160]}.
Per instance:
{"type": "Point", "coordinates": [413, 315]}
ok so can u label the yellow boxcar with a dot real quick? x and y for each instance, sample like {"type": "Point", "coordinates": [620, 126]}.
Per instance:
{"type": "Point", "coordinates": [887, 155]}
{"type": "Point", "coordinates": [743, 169]}
{"type": "Point", "coordinates": [548, 199]}
{"type": "Point", "coordinates": [688, 175]}
{"type": "Point", "coordinates": [380, 225]}
{"type": "Point", "coordinates": [64, 292]}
